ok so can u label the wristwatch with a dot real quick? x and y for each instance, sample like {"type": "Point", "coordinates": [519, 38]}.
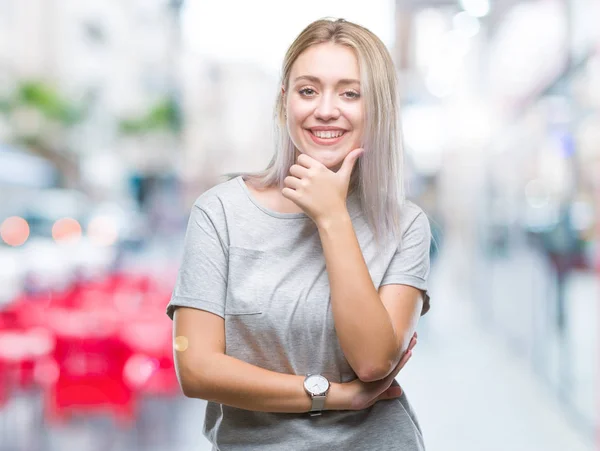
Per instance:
{"type": "Point", "coordinates": [317, 387]}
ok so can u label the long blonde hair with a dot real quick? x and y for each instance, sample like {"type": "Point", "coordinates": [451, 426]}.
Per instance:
{"type": "Point", "coordinates": [378, 172]}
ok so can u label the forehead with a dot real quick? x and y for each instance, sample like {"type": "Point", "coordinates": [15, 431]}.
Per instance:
{"type": "Point", "coordinates": [326, 61]}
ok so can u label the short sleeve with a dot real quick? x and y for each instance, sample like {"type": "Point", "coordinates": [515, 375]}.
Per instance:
{"type": "Point", "coordinates": [410, 263]}
{"type": "Point", "coordinates": [202, 277]}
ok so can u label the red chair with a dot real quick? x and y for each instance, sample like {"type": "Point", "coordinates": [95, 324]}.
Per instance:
{"type": "Point", "coordinates": [4, 384]}
{"type": "Point", "coordinates": [90, 359]}
{"type": "Point", "coordinates": [22, 344]}
{"type": "Point", "coordinates": [92, 347]}
{"type": "Point", "coordinates": [150, 370]}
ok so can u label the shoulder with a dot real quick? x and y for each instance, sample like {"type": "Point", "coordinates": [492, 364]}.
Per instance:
{"type": "Point", "coordinates": [413, 218]}
{"type": "Point", "coordinates": [212, 209]}
{"type": "Point", "coordinates": [216, 199]}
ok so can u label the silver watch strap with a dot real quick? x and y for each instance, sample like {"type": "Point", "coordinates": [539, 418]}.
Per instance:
{"type": "Point", "coordinates": [318, 405]}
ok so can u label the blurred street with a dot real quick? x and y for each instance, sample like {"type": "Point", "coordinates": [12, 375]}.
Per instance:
{"type": "Point", "coordinates": [472, 389]}
{"type": "Point", "coordinates": [491, 399]}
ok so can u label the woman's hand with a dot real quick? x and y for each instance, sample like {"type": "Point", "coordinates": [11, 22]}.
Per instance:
{"type": "Point", "coordinates": [319, 191]}
{"type": "Point", "coordinates": [361, 395]}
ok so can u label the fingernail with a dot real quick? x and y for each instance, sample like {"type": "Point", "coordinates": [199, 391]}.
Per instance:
{"type": "Point", "coordinates": [397, 391]}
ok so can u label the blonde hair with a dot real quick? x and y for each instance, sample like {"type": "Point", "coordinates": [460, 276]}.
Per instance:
{"type": "Point", "coordinates": [377, 176]}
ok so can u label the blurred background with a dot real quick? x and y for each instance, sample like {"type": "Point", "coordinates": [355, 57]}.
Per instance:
{"type": "Point", "coordinates": [115, 115]}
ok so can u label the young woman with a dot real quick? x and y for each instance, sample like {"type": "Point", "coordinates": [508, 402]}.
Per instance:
{"type": "Point", "coordinates": [301, 286]}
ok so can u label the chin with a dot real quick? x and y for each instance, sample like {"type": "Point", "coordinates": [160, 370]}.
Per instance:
{"type": "Point", "coordinates": [331, 158]}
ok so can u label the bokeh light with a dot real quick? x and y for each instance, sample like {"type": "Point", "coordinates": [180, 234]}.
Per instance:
{"type": "Point", "coordinates": [14, 231]}
{"type": "Point", "coordinates": [466, 24]}
{"type": "Point", "coordinates": [102, 231]}
{"type": "Point", "coordinates": [66, 230]}
{"type": "Point", "coordinates": [138, 369]}
{"type": "Point", "coordinates": [476, 8]}
{"type": "Point", "coordinates": [181, 343]}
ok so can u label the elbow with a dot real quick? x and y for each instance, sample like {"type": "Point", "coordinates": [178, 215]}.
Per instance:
{"type": "Point", "coordinates": [189, 391]}
{"type": "Point", "coordinates": [195, 391]}
{"type": "Point", "coordinates": [191, 385]}
{"type": "Point", "coordinates": [375, 372]}
{"type": "Point", "coordinates": [196, 376]}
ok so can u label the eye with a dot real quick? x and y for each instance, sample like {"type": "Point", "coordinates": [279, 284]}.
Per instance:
{"type": "Point", "coordinates": [351, 94]}
{"type": "Point", "coordinates": [307, 92]}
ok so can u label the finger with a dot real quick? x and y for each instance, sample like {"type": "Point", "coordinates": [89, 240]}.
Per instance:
{"type": "Point", "coordinates": [307, 161]}
{"type": "Point", "coordinates": [405, 358]}
{"type": "Point", "coordinates": [391, 393]}
{"type": "Point", "coordinates": [349, 162]}
{"type": "Point", "coordinates": [298, 171]}
{"type": "Point", "coordinates": [292, 182]}
{"type": "Point", "coordinates": [389, 380]}
{"type": "Point", "coordinates": [290, 194]}
{"type": "Point", "coordinates": [412, 344]}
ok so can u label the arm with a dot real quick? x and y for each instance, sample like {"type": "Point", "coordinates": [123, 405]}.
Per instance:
{"type": "Point", "coordinates": [373, 328]}
{"type": "Point", "coordinates": [197, 308]}
{"type": "Point", "coordinates": [204, 371]}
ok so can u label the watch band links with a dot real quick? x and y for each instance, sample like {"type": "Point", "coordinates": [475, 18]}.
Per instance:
{"type": "Point", "coordinates": [318, 405]}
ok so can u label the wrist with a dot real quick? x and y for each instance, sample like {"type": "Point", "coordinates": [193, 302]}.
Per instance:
{"type": "Point", "coordinates": [332, 220]}
{"type": "Point", "coordinates": [337, 398]}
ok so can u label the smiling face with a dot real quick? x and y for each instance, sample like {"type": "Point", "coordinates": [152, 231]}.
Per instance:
{"type": "Point", "coordinates": [325, 111]}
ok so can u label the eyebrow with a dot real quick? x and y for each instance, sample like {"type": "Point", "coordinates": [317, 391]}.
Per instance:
{"type": "Point", "coordinates": [343, 81]}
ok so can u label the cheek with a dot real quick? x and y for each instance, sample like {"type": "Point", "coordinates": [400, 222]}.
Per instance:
{"type": "Point", "coordinates": [357, 120]}
{"type": "Point", "coordinates": [298, 112]}
{"type": "Point", "coordinates": [294, 121]}
{"type": "Point", "coordinates": [297, 115]}
{"type": "Point", "coordinates": [358, 117]}
{"type": "Point", "coordinates": [293, 126]}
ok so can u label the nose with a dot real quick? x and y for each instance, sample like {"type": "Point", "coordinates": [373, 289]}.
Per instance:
{"type": "Point", "coordinates": [327, 109]}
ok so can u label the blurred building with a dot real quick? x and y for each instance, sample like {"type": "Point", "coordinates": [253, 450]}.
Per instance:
{"type": "Point", "coordinates": [501, 113]}
{"type": "Point", "coordinates": [229, 120]}
{"type": "Point", "coordinates": [112, 61]}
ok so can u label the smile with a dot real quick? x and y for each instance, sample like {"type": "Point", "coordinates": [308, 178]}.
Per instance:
{"type": "Point", "coordinates": [326, 137]}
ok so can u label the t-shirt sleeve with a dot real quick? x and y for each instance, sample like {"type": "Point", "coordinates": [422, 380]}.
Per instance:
{"type": "Point", "coordinates": [202, 277]}
{"type": "Point", "coordinates": [410, 263]}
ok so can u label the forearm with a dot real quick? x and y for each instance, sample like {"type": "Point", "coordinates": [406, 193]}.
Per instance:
{"type": "Point", "coordinates": [226, 380]}
{"type": "Point", "coordinates": [363, 325]}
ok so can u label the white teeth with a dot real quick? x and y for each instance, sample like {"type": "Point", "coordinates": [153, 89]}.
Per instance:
{"type": "Point", "coordinates": [328, 134]}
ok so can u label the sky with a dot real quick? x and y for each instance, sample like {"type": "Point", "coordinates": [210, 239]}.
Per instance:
{"type": "Point", "coordinates": [261, 30]}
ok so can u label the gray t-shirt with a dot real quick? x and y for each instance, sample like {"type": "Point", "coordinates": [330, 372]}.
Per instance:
{"type": "Point", "coordinates": [264, 273]}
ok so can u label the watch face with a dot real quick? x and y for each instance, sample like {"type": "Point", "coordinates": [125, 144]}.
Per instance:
{"type": "Point", "coordinates": [316, 384]}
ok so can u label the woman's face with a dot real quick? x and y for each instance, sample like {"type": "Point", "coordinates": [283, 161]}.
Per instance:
{"type": "Point", "coordinates": [325, 112]}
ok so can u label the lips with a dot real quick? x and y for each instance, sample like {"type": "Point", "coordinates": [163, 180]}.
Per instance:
{"type": "Point", "coordinates": [326, 137]}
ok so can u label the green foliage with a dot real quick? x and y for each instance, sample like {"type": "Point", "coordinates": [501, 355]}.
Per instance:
{"type": "Point", "coordinates": [45, 99]}
{"type": "Point", "coordinates": [164, 115]}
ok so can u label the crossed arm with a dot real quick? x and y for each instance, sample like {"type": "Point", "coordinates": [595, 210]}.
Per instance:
{"type": "Point", "coordinates": [374, 330]}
